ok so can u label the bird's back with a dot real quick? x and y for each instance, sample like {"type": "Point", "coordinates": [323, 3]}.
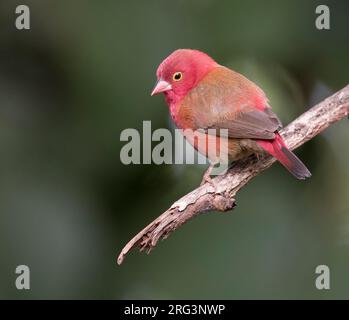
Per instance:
{"type": "Point", "coordinates": [222, 93]}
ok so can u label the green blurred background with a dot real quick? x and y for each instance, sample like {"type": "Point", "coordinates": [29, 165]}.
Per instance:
{"type": "Point", "coordinates": [83, 73]}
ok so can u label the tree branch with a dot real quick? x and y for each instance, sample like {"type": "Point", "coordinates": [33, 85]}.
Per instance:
{"type": "Point", "coordinates": [220, 196]}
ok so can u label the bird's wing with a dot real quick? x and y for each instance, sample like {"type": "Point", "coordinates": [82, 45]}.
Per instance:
{"type": "Point", "coordinates": [253, 124]}
{"type": "Point", "coordinates": [227, 100]}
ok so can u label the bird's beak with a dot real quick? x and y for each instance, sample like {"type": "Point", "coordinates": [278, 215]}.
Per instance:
{"type": "Point", "coordinates": [161, 86]}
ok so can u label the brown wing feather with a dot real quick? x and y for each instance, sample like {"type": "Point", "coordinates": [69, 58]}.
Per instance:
{"type": "Point", "coordinates": [255, 124]}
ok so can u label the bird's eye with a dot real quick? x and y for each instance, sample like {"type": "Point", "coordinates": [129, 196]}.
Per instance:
{"type": "Point", "coordinates": [177, 76]}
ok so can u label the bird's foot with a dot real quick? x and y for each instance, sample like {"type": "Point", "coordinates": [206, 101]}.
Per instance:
{"type": "Point", "coordinates": [259, 155]}
{"type": "Point", "coordinates": [207, 177]}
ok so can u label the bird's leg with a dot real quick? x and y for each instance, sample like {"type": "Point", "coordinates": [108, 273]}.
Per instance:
{"type": "Point", "coordinates": [260, 155]}
{"type": "Point", "coordinates": [207, 175]}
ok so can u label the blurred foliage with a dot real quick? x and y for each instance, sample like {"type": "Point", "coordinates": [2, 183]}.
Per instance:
{"type": "Point", "coordinates": [83, 73]}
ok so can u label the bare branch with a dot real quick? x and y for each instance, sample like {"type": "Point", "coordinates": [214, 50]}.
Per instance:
{"type": "Point", "coordinates": [220, 196]}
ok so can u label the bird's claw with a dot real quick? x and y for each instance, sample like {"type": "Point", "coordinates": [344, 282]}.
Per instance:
{"type": "Point", "coordinates": [207, 177]}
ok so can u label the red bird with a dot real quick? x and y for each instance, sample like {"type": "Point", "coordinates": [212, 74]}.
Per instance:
{"type": "Point", "coordinates": [201, 94]}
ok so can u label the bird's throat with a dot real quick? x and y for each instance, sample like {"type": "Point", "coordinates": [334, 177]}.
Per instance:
{"type": "Point", "coordinates": [174, 108]}
{"type": "Point", "coordinates": [173, 102]}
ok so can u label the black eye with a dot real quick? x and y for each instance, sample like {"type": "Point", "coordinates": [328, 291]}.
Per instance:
{"type": "Point", "coordinates": [177, 76]}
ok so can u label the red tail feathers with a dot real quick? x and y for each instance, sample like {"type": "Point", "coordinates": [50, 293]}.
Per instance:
{"type": "Point", "coordinates": [287, 158]}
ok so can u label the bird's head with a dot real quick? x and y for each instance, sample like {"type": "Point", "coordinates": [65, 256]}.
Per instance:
{"type": "Point", "coordinates": [180, 72]}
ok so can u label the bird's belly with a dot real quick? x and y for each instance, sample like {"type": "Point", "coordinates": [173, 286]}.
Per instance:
{"type": "Point", "coordinates": [220, 149]}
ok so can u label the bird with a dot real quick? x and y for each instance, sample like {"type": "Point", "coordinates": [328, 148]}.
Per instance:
{"type": "Point", "coordinates": [203, 95]}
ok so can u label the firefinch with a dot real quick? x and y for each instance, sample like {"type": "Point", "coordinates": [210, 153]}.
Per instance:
{"type": "Point", "coordinates": [202, 95]}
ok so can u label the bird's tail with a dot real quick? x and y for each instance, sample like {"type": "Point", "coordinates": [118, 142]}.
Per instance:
{"type": "Point", "coordinates": [287, 158]}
